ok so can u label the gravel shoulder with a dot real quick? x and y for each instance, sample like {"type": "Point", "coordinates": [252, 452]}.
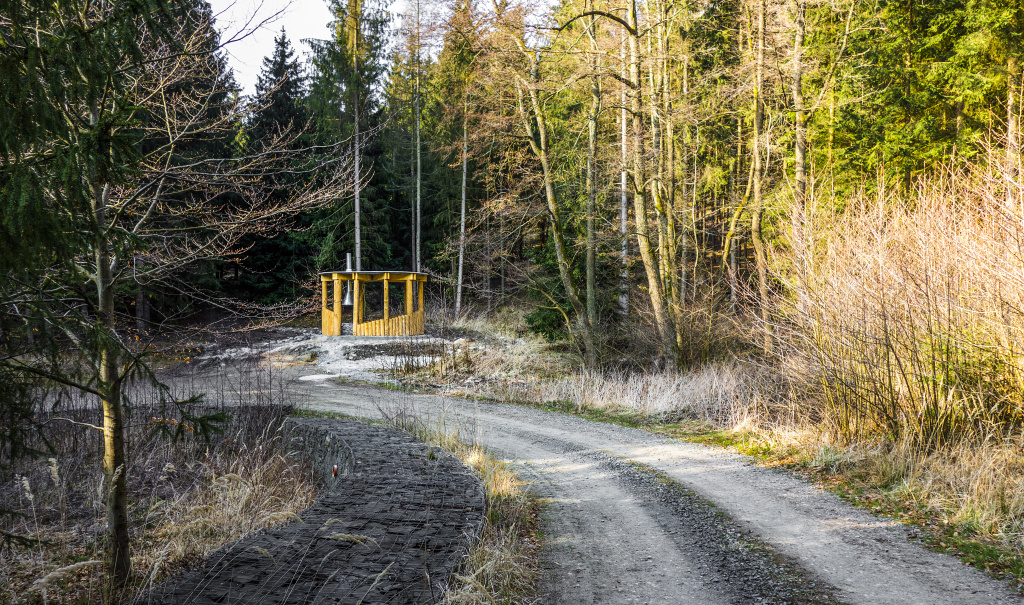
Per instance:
{"type": "Point", "coordinates": [610, 540]}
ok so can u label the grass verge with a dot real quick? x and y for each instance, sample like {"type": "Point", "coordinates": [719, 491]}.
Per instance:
{"type": "Point", "coordinates": [503, 565]}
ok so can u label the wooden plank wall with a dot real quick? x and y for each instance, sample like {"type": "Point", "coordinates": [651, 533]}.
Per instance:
{"type": "Point", "coordinates": [403, 325]}
{"type": "Point", "coordinates": [331, 324]}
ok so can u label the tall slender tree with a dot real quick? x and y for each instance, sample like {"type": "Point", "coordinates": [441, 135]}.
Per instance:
{"type": "Point", "coordinates": [344, 102]}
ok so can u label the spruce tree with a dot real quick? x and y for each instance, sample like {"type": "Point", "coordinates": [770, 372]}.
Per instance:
{"type": "Point", "coordinates": [279, 92]}
{"type": "Point", "coordinates": [344, 100]}
{"type": "Point", "coordinates": [66, 141]}
{"type": "Point", "coordinates": [275, 268]}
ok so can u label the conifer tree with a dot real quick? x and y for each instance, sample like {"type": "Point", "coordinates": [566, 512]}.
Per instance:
{"type": "Point", "coordinates": [280, 88]}
{"type": "Point", "coordinates": [116, 124]}
{"type": "Point", "coordinates": [275, 269]}
{"type": "Point", "coordinates": [345, 106]}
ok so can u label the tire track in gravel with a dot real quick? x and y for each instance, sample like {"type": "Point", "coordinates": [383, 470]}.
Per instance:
{"type": "Point", "coordinates": [610, 529]}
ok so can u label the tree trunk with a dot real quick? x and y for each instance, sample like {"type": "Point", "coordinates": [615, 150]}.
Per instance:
{"type": "Point", "coordinates": [352, 26]}
{"type": "Point", "coordinates": [684, 261]}
{"type": "Point", "coordinates": [728, 249]}
{"type": "Point", "coordinates": [654, 286]}
{"type": "Point", "coordinates": [623, 195]}
{"type": "Point", "coordinates": [799, 126]}
{"type": "Point", "coordinates": [673, 276]}
{"type": "Point", "coordinates": [595, 108]}
{"type": "Point", "coordinates": [462, 213]}
{"type": "Point", "coordinates": [1012, 142]}
{"type": "Point", "coordinates": [114, 471]}
{"type": "Point", "coordinates": [419, 173]}
{"type": "Point", "coordinates": [141, 310]}
{"type": "Point", "coordinates": [356, 151]}
{"type": "Point", "coordinates": [539, 145]}
{"type": "Point", "coordinates": [142, 315]}
{"type": "Point", "coordinates": [800, 244]}
{"type": "Point", "coordinates": [758, 210]}
{"type": "Point", "coordinates": [657, 176]}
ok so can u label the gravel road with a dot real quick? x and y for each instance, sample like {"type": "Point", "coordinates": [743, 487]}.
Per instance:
{"type": "Point", "coordinates": [637, 518]}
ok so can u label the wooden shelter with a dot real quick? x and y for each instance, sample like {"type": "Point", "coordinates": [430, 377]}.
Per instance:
{"type": "Point", "coordinates": [408, 324]}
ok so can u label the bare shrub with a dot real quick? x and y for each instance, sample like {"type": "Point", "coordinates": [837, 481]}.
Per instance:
{"type": "Point", "coordinates": [909, 320]}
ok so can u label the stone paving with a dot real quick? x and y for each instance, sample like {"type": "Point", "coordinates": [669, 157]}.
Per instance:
{"type": "Point", "coordinates": [389, 528]}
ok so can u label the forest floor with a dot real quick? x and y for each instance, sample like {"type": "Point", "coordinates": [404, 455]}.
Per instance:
{"type": "Point", "coordinates": [635, 517]}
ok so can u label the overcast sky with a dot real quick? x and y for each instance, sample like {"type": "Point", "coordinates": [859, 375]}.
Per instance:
{"type": "Point", "coordinates": [301, 19]}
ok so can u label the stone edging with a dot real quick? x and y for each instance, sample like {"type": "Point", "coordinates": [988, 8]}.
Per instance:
{"type": "Point", "coordinates": [389, 528]}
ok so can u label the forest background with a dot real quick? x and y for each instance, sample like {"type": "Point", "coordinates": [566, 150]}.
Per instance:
{"type": "Point", "coordinates": [816, 203]}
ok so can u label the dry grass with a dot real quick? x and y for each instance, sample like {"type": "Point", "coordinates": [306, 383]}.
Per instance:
{"type": "Point", "coordinates": [724, 393]}
{"type": "Point", "coordinates": [480, 356]}
{"type": "Point", "coordinates": [241, 490]}
{"type": "Point", "coordinates": [186, 499]}
{"type": "Point", "coordinates": [506, 321]}
{"type": "Point", "coordinates": [502, 565]}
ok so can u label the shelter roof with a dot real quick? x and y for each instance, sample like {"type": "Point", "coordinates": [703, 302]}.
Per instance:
{"type": "Point", "coordinates": [374, 275]}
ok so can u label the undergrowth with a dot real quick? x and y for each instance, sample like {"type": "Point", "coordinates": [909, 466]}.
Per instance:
{"type": "Point", "coordinates": [186, 497]}
{"type": "Point", "coordinates": [966, 495]}
{"type": "Point", "coordinates": [895, 372]}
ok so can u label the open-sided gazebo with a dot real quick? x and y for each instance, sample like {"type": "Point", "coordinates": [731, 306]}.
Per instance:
{"type": "Point", "coordinates": [409, 324]}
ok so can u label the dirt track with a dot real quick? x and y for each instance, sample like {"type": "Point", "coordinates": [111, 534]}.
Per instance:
{"type": "Point", "coordinates": [616, 535]}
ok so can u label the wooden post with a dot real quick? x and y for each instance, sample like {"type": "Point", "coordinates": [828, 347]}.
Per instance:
{"type": "Point", "coordinates": [356, 303]}
{"type": "Point", "coordinates": [324, 323]}
{"type": "Point", "coordinates": [408, 296]}
{"type": "Point", "coordinates": [336, 320]}
{"type": "Point", "coordinates": [387, 306]}
{"type": "Point", "coordinates": [421, 296]}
